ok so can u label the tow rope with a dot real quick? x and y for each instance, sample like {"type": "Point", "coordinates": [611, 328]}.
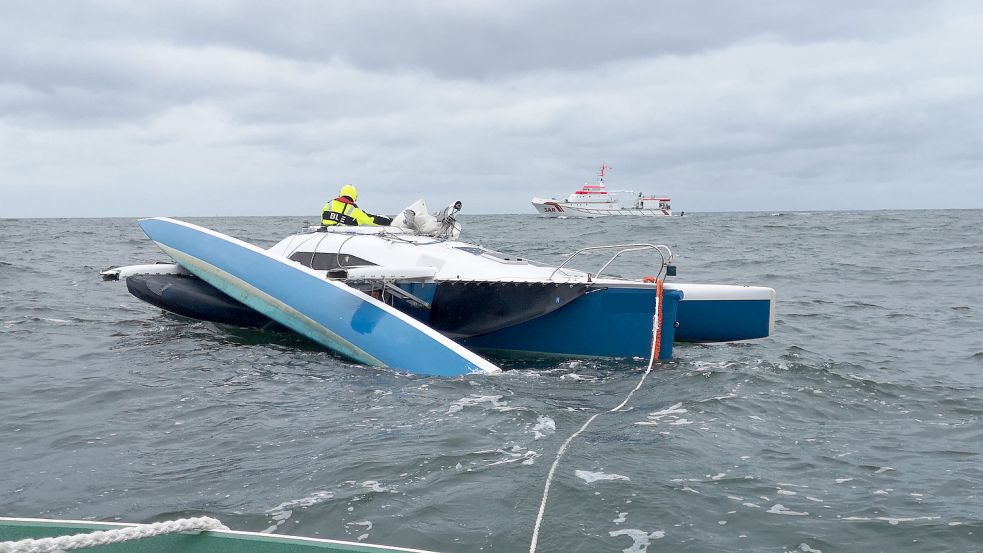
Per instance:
{"type": "Point", "coordinates": [656, 345]}
{"type": "Point", "coordinates": [106, 537]}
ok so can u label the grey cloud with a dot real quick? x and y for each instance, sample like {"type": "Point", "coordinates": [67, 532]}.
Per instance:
{"type": "Point", "coordinates": [473, 39]}
{"type": "Point", "coordinates": [492, 39]}
{"type": "Point", "coordinates": [723, 105]}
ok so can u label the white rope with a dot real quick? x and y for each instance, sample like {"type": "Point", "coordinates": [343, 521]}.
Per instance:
{"type": "Point", "coordinates": [656, 327]}
{"type": "Point", "coordinates": [105, 537]}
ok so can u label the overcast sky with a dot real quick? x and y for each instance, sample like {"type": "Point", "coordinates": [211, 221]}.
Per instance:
{"type": "Point", "coordinates": [116, 108]}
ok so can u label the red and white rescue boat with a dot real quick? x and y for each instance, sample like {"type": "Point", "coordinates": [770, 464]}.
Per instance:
{"type": "Point", "coordinates": [595, 200]}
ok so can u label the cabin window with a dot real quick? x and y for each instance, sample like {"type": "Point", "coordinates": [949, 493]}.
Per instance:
{"type": "Point", "coordinates": [328, 261]}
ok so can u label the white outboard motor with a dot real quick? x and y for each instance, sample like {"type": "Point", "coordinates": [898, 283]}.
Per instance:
{"type": "Point", "coordinates": [417, 218]}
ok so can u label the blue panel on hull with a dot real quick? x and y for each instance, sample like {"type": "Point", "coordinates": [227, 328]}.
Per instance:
{"type": "Point", "coordinates": [722, 320]}
{"type": "Point", "coordinates": [330, 313]}
{"type": "Point", "coordinates": [609, 322]}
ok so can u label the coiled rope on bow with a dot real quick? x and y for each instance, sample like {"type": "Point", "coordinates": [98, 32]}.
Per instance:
{"type": "Point", "coordinates": [116, 535]}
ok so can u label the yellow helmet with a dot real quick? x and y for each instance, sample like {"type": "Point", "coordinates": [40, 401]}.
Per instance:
{"type": "Point", "coordinates": [349, 190]}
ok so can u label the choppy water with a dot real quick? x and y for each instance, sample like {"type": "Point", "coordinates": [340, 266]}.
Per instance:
{"type": "Point", "coordinates": [856, 427]}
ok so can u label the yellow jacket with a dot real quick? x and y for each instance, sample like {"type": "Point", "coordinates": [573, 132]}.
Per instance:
{"type": "Point", "coordinates": [344, 212]}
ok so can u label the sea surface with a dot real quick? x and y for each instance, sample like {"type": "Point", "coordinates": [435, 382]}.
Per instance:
{"type": "Point", "coordinates": [856, 427]}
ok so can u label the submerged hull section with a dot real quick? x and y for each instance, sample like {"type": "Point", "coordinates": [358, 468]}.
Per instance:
{"type": "Point", "coordinates": [192, 297]}
{"type": "Point", "coordinates": [603, 322]}
{"type": "Point", "coordinates": [565, 320]}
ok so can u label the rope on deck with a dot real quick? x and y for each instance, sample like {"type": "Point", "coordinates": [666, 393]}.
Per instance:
{"type": "Point", "coordinates": [117, 535]}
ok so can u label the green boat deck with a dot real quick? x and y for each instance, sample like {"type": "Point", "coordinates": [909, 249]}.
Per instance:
{"type": "Point", "coordinates": [212, 541]}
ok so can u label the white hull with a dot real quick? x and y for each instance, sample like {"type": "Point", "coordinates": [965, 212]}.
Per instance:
{"type": "Point", "coordinates": [562, 208]}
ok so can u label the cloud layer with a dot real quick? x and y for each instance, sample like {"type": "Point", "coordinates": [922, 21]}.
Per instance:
{"type": "Point", "coordinates": [252, 108]}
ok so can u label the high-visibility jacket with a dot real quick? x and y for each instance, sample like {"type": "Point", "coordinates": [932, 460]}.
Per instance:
{"type": "Point", "coordinates": [342, 211]}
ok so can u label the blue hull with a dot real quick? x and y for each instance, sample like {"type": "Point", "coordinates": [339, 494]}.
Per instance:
{"type": "Point", "coordinates": [611, 322]}
{"type": "Point", "coordinates": [330, 313]}
{"type": "Point", "coordinates": [723, 320]}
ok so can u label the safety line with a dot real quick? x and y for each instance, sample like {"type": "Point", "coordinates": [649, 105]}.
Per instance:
{"type": "Point", "coordinates": [656, 345]}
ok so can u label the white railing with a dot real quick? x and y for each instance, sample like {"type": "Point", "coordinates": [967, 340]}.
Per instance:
{"type": "Point", "coordinates": [664, 253]}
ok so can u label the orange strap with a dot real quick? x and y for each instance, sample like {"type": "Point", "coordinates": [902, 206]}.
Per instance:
{"type": "Point", "coordinates": [657, 335]}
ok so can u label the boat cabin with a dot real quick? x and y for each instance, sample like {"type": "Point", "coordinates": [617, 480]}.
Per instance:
{"type": "Point", "coordinates": [652, 202]}
{"type": "Point", "coordinates": [591, 193]}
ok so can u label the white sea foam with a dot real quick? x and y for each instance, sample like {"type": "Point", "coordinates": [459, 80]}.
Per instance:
{"type": "Point", "coordinates": [674, 410]}
{"type": "Point", "coordinates": [591, 477]}
{"type": "Point", "coordinates": [375, 486]}
{"type": "Point", "coordinates": [641, 538]}
{"type": "Point", "coordinates": [670, 413]}
{"type": "Point", "coordinates": [364, 523]}
{"type": "Point", "coordinates": [578, 377]}
{"type": "Point", "coordinates": [544, 426]}
{"type": "Point", "coordinates": [779, 509]}
{"type": "Point", "coordinates": [514, 455]}
{"type": "Point", "coordinates": [495, 402]}
{"type": "Point", "coordinates": [282, 512]}
{"type": "Point", "coordinates": [893, 521]}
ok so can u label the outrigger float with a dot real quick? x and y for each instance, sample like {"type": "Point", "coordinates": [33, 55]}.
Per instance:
{"type": "Point", "coordinates": [413, 297]}
{"type": "Point", "coordinates": [595, 200]}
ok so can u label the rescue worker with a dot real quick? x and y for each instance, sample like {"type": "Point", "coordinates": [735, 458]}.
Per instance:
{"type": "Point", "coordinates": [343, 211]}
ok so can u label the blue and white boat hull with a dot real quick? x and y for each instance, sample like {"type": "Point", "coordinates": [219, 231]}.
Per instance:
{"type": "Point", "coordinates": [606, 322]}
{"type": "Point", "coordinates": [724, 313]}
{"type": "Point", "coordinates": [325, 283]}
{"type": "Point", "coordinates": [328, 312]}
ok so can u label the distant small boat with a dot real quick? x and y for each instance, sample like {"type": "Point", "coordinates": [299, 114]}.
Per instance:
{"type": "Point", "coordinates": [595, 200]}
